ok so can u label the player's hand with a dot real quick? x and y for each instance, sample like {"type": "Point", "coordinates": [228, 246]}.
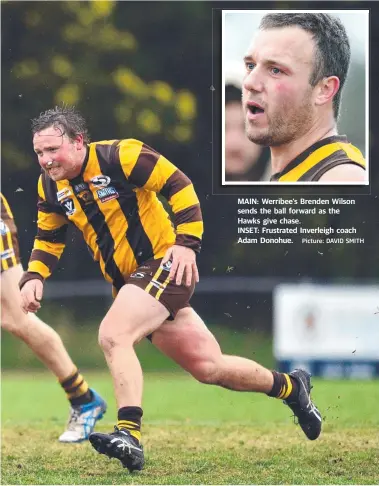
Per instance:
{"type": "Point", "coordinates": [31, 295]}
{"type": "Point", "coordinates": [183, 267]}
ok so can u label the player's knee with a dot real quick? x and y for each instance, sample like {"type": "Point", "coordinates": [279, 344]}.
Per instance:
{"type": "Point", "coordinates": [205, 372]}
{"type": "Point", "coordinates": [108, 338]}
{"type": "Point", "coordinates": [11, 321]}
{"type": "Point", "coordinates": [7, 324]}
{"type": "Point", "coordinates": [14, 327]}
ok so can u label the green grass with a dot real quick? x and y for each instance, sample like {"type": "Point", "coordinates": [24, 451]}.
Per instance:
{"type": "Point", "coordinates": [194, 434]}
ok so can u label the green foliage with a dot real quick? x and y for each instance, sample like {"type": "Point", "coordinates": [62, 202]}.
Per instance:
{"type": "Point", "coordinates": [88, 54]}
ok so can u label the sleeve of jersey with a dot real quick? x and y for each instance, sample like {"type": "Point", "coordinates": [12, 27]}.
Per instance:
{"type": "Point", "coordinates": [146, 168]}
{"type": "Point", "coordinates": [49, 242]}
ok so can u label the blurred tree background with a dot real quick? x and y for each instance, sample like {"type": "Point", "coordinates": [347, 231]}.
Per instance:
{"type": "Point", "coordinates": [145, 70]}
{"type": "Point", "coordinates": [134, 70]}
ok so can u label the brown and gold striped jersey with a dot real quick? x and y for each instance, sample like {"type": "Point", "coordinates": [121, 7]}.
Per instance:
{"type": "Point", "coordinates": [114, 203]}
{"type": "Point", "coordinates": [319, 158]}
{"type": "Point", "coordinates": [9, 249]}
{"type": "Point", "coordinates": [6, 212]}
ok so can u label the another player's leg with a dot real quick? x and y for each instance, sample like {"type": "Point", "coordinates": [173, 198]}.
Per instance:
{"type": "Point", "coordinates": [190, 343]}
{"type": "Point", "coordinates": [133, 315]}
{"type": "Point", "coordinates": [86, 405]}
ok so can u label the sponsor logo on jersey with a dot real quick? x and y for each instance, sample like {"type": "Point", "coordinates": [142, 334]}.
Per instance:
{"type": "Point", "coordinates": [3, 228]}
{"type": "Point", "coordinates": [107, 194]}
{"type": "Point", "coordinates": [137, 275]}
{"type": "Point", "coordinates": [101, 181]}
{"type": "Point", "coordinates": [64, 194]}
{"type": "Point", "coordinates": [83, 192]}
{"type": "Point", "coordinates": [166, 266]}
{"type": "Point", "coordinates": [82, 186]}
{"type": "Point", "coordinates": [69, 206]}
{"type": "Point", "coordinates": [7, 253]}
{"type": "Point", "coordinates": [85, 196]}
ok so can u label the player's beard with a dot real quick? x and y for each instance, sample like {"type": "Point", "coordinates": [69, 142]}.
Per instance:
{"type": "Point", "coordinates": [288, 123]}
{"type": "Point", "coordinates": [55, 173]}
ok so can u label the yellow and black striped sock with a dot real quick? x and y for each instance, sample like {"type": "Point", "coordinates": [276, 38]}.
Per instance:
{"type": "Point", "coordinates": [284, 387]}
{"type": "Point", "coordinates": [77, 389]}
{"type": "Point", "coordinates": [129, 418]}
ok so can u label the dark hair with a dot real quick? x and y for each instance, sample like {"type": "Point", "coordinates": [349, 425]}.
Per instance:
{"type": "Point", "coordinates": [67, 118]}
{"type": "Point", "coordinates": [332, 56]}
{"type": "Point", "coordinates": [232, 94]}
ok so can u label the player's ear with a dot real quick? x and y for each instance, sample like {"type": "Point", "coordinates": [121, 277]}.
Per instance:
{"type": "Point", "coordinates": [79, 141]}
{"type": "Point", "coordinates": [326, 89]}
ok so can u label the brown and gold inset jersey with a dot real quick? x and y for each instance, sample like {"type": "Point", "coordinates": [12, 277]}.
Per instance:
{"type": "Point", "coordinates": [319, 158]}
{"type": "Point", "coordinates": [9, 250]}
{"type": "Point", "coordinates": [114, 203]}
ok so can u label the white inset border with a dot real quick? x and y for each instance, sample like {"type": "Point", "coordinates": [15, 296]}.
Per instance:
{"type": "Point", "coordinates": [252, 18]}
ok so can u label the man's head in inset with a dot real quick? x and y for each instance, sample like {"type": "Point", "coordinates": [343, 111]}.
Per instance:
{"type": "Point", "coordinates": [295, 69]}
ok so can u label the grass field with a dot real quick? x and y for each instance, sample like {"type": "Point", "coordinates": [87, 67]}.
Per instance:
{"type": "Point", "coordinates": [194, 434]}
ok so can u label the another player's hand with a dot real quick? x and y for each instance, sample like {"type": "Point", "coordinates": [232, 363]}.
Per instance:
{"type": "Point", "coordinates": [31, 295]}
{"type": "Point", "coordinates": [183, 267]}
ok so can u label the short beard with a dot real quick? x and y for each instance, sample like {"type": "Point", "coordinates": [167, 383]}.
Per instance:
{"type": "Point", "coordinates": [282, 129]}
{"type": "Point", "coordinates": [271, 138]}
{"type": "Point", "coordinates": [54, 178]}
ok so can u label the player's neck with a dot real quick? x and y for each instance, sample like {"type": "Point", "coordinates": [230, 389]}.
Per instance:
{"type": "Point", "coordinates": [282, 155]}
{"type": "Point", "coordinates": [77, 169]}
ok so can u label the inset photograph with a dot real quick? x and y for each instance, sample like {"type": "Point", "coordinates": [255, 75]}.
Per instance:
{"type": "Point", "coordinates": [295, 105]}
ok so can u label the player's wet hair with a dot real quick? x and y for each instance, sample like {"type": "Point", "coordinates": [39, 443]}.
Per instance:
{"type": "Point", "coordinates": [64, 117]}
{"type": "Point", "coordinates": [332, 55]}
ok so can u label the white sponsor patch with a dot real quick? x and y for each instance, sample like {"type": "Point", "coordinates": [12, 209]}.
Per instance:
{"type": "Point", "coordinates": [101, 181]}
{"type": "Point", "coordinates": [166, 266]}
{"type": "Point", "coordinates": [107, 194]}
{"type": "Point", "coordinates": [69, 206]}
{"type": "Point", "coordinates": [137, 275]}
{"type": "Point", "coordinates": [64, 194]}
{"type": "Point", "coordinates": [7, 254]}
